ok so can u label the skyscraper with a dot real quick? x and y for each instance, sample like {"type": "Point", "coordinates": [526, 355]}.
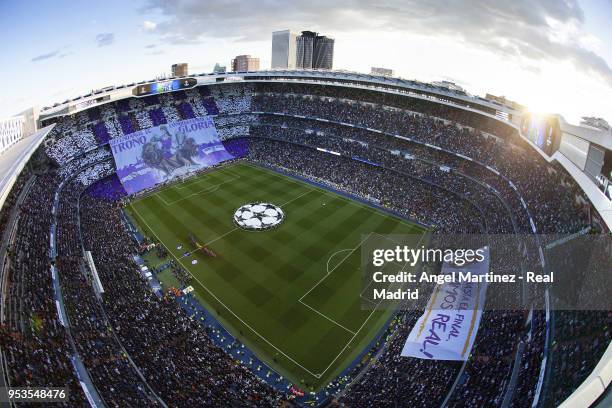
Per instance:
{"type": "Point", "coordinates": [245, 63]}
{"type": "Point", "coordinates": [219, 68]}
{"type": "Point", "coordinates": [180, 69]}
{"type": "Point", "coordinates": [323, 52]}
{"type": "Point", "coordinates": [314, 51]}
{"type": "Point", "coordinates": [305, 49]}
{"type": "Point", "coordinates": [283, 49]}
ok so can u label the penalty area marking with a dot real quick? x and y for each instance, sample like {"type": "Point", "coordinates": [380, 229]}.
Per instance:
{"type": "Point", "coordinates": [326, 317]}
{"type": "Point", "coordinates": [351, 251]}
{"type": "Point", "coordinates": [206, 190]}
{"type": "Point", "coordinates": [374, 309]}
{"type": "Point", "coordinates": [175, 183]}
{"type": "Point", "coordinates": [204, 177]}
{"type": "Point", "coordinates": [334, 268]}
{"type": "Point", "coordinates": [334, 254]}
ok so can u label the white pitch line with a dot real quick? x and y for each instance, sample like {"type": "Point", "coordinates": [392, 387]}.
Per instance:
{"type": "Point", "coordinates": [208, 243]}
{"type": "Point", "coordinates": [156, 194]}
{"type": "Point", "coordinates": [389, 239]}
{"type": "Point", "coordinates": [366, 288]}
{"type": "Point", "coordinates": [334, 268]}
{"type": "Point", "coordinates": [371, 282]}
{"type": "Point", "coordinates": [326, 317]}
{"type": "Point", "coordinates": [197, 180]}
{"type": "Point", "coordinates": [347, 344]}
{"type": "Point", "coordinates": [368, 300]}
{"type": "Point", "coordinates": [175, 183]}
{"type": "Point", "coordinates": [209, 189]}
{"type": "Point", "coordinates": [298, 197]}
{"type": "Point", "coordinates": [334, 254]}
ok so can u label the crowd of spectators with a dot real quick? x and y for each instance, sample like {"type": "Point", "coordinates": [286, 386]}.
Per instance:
{"type": "Point", "coordinates": [139, 348]}
{"type": "Point", "coordinates": [90, 157]}
{"type": "Point", "coordinates": [76, 134]}
{"type": "Point", "coordinates": [11, 199]}
{"type": "Point", "coordinates": [578, 336]}
{"type": "Point", "coordinates": [131, 341]}
{"type": "Point", "coordinates": [439, 175]}
{"type": "Point", "coordinates": [549, 193]}
{"type": "Point", "coordinates": [414, 198]}
{"type": "Point", "coordinates": [232, 98]}
{"type": "Point", "coordinates": [94, 335]}
{"type": "Point", "coordinates": [234, 125]}
{"type": "Point", "coordinates": [95, 172]}
{"type": "Point", "coordinates": [33, 338]}
{"type": "Point", "coordinates": [392, 379]}
{"type": "Point", "coordinates": [65, 141]}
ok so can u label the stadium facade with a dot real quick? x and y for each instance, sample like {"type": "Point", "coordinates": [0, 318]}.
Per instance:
{"type": "Point", "coordinates": [387, 126]}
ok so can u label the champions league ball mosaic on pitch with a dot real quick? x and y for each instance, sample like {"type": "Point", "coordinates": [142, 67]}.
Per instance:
{"type": "Point", "coordinates": [258, 216]}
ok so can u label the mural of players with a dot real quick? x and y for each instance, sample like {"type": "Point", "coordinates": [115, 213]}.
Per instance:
{"type": "Point", "coordinates": [150, 156]}
{"type": "Point", "coordinates": [164, 154]}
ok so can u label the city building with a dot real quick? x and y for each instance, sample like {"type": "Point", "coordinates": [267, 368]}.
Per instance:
{"type": "Point", "coordinates": [382, 71]}
{"type": "Point", "coordinates": [245, 63]}
{"type": "Point", "coordinates": [219, 68]}
{"type": "Point", "coordinates": [305, 49]}
{"type": "Point", "coordinates": [314, 51]}
{"type": "Point", "coordinates": [179, 70]}
{"type": "Point", "coordinates": [323, 52]}
{"type": "Point", "coordinates": [284, 49]}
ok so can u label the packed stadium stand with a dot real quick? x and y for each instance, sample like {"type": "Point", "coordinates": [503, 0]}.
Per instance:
{"type": "Point", "coordinates": [443, 162]}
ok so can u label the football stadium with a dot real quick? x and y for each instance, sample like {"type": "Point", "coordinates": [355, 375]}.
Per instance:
{"type": "Point", "coordinates": [291, 237]}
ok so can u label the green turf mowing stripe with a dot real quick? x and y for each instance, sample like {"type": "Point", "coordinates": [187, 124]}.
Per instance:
{"type": "Point", "coordinates": [255, 284]}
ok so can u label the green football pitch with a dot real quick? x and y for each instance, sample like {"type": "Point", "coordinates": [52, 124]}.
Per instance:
{"type": "Point", "coordinates": [292, 294]}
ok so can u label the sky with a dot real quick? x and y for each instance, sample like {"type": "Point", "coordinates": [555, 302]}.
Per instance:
{"type": "Point", "coordinates": [554, 56]}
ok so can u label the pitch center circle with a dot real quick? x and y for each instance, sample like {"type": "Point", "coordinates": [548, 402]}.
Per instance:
{"type": "Point", "coordinates": [258, 216]}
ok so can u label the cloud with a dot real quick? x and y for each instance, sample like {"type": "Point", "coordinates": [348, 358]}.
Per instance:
{"type": "Point", "coordinates": [58, 53]}
{"type": "Point", "coordinates": [48, 55]}
{"type": "Point", "coordinates": [525, 30]}
{"type": "Point", "coordinates": [105, 39]}
{"type": "Point", "coordinates": [148, 26]}
{"type": "Point", "coordinates": [149, 46]}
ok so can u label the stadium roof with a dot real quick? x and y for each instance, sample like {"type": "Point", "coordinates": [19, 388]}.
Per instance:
{"type": "Point", "coordinates": [110, 93]}
{"type": "Point", "coordinates": [14, 159]}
